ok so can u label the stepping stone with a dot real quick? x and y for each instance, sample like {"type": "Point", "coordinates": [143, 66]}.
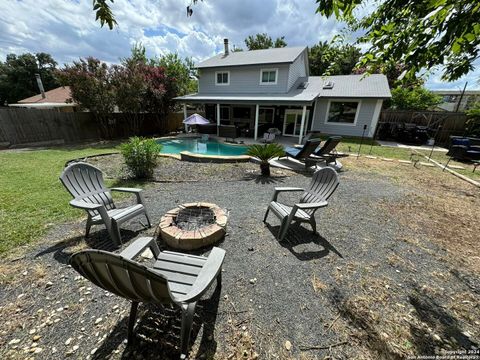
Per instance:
{"type": "Point", "coordinates": [405, 161]}
{"type": "Point", "coordinates": [426, 164]}
{"type": "Point", "coordinates": [370, 157]}
{"type": "Point", "coordinates": [386, 159]}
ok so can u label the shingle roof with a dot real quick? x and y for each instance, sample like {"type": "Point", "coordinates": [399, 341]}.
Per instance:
{"type": "Point", "coordinates": [254, 57]}
{"type": "Point", "coordinates": [57, 95]}
{"type": "Point", "coordinates": [344, 86]}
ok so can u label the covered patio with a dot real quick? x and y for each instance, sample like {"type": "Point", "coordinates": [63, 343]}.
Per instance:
{"type": "Point", "coordinates": [253, 115]}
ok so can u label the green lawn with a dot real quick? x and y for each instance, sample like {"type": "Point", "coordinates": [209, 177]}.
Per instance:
{"type": "Point", "coordinates": [352, 145]}
{"type": "Point", "coordinates": [32, 199]}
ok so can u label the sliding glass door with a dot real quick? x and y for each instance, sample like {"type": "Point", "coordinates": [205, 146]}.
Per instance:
{"type": "Point", "coordinates": [293, 121]}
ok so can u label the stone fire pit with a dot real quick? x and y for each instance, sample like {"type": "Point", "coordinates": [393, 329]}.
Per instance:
{"type": "Point", "coordinates": [193, 225]}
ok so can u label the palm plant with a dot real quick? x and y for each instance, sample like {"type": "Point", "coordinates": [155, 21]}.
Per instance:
{"type": "Point", "coordinates": [265, 153]}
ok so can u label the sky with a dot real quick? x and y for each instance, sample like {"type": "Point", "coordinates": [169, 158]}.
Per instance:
{"type": "Point", "coordinates": [67, 29]}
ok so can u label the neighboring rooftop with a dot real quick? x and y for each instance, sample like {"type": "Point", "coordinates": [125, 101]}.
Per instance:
{"type": "Point", "coordinates": [456, 92]}
{"type": "Point", "coordinates": [58, 95]}
{"type": "Point", "coordinates": [254, 57]}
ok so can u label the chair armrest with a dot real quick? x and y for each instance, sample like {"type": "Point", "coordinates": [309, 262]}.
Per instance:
{"type": "Point", "coordinates": [210, 270]}
{"type": "Point", "coordinates": [84, 205]}
{"type": "Point", "coordinates": [137, 192]}
{"type": "Point", "coordinates": [129, 190]}
{"type": "Point", "coordinates": [278, 190]}
{"type": "Point", "coordinates": [138, 246]}
{"type": "Point", "coordinates": [316, 205]}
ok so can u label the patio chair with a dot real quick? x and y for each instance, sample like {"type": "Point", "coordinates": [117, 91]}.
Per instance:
{"type": "Point", "coordinates": [85, 183]}
{"type": "Point", "coordinates": [324, 183]}
{"type": "Point", "coordinates": [268, 137]}
{"type": "Point", "coordinates": [174, 278]}
{"type": "Point", "coordinates": [327, 152]}
{"type": "Point", "coordinates": [303, 153]}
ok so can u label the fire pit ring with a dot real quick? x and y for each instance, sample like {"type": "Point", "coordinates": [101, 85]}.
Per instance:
{"type": "Point", "coordinates": [193, 225]}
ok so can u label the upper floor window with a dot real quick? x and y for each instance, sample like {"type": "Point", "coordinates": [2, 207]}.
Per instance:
{"type": "Point", "coordinates": [222, 78]}
{"type": "Point", "coordinates": [268, 76]}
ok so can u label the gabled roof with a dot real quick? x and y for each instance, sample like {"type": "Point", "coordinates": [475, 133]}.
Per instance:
{"type": "Point", "coordinates": [254, 57]}
{"type": "Point", "coordinates": [58, 95]}
{"type": "Point", "coordinates": [344, 86]}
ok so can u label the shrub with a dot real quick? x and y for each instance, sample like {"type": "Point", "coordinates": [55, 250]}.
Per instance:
{"type": "Point", "coordinates": [140, 156]}
{"type": "Point", "coordinates": [265, 153]}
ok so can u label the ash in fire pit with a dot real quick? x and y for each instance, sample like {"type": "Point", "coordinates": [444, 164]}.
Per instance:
{"type": "Point", "coordinates": [194, 218]}
{"type": "Point", "coordinates": [193, 225]}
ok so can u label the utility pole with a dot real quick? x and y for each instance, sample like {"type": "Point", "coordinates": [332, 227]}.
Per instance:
{"type": "Point", "coordinates": [461, 96]}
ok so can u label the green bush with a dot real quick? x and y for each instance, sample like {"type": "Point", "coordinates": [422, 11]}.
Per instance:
{"type": "Point", "coordinates": [140, 156]}
{"type": "Point", "coordinates": [265, 153]}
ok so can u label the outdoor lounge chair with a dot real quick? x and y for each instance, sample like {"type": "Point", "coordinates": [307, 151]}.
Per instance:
{"type": "Point", "coordinates": [324, 183]}
{"type": "Point", "coordinates": [174, 278]}
{"type": "Point", "coordinates": [303, 153]}
{"type": "Point", "coordinates": [85, 183]}
{"type": "Point", "coordinates": [327, 152]}
{"type": "Point", "coordinates": [268, 137]}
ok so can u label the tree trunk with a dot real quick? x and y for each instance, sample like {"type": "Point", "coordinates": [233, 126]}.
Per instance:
{"type": "Point", "coordinates": [265, 168]}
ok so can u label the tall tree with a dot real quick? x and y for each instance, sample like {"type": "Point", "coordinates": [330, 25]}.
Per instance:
{"type": "Point", "coordinates": [182, 70]}
{"type": "Point", "coordinates": [419, 34]}
{"type": "Point", "coordinates": [264, 41]}
{"type": "Point", "coordinates": [415, 98]}
{"type": "Point", "coordinates": [90, 81]}
{"type": "Point", "coordinates": [333, 59]}
{"type": "Point", "coordinates": [17, 76]}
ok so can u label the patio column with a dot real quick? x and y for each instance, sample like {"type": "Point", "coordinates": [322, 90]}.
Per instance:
{"type": "Point", "coordinates": [257, 111]}
{"type": "Point", "coordinates": [302, 125]}
{"type": "Point", "coordinates": [185, 115]}
{"type": "Point", "coordinates": [218, 119]}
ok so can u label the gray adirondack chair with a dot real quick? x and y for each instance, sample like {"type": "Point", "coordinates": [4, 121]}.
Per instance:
{"type": "Point", "coordinates": [324, 183]}
{"type": "Point", "coordinates": [85, 183]}
{"type": "Point", "coordinates": [174, 278]}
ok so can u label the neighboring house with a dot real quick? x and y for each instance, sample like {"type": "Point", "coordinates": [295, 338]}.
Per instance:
{"type": "Point", "coordinates": [453, 100]}
{"type": "Point", "coordinates": [59, 98]}
{"type": "Point", "coordinates": [260, 89]}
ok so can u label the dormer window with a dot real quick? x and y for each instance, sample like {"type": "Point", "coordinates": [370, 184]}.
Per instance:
{"type": "Point", "coordinates": [268, 76]}
{"type": "Point", "coordinates": [222, 78]}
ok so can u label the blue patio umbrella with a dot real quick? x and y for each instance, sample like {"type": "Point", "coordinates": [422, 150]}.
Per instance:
{"type": "Point", "coordinates": [195, 119]}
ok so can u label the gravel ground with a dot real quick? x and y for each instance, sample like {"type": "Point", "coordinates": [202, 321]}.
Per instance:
{"type": "Point", "coordinates": [359, 289]}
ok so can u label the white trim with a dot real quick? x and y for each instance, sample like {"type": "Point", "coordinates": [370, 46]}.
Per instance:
{"type": "Point", "coordinates": [376, 115]}
{"type": "Point", "coordinates": [269, 83]}
{"type": "Point", "coordinates": [216, 78]}
{"type": "Point", "coordinates": [185, 115]}
{"type": "Point", "coordinates": [257, 110]}
{"type": "Point", "coordinates": [315, 103]}
{"type": "Point", "coordinates": [302, 124]}
{"type": "Point", "coordinates": [343, 123]}
{"type": "Point", "coordinates": [218, 119]}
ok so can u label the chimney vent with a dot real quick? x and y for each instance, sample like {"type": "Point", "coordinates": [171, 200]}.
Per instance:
{"type": "Point", "coordinates": [40, 85]}
{"type": "Point", "coordinates": [225, 43]}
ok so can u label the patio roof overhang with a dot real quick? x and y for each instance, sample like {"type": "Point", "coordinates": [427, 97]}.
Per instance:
{"type": "Point", "coordinates": [261, 99]}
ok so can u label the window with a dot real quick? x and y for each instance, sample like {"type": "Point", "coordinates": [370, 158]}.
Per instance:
{"type": "Point", "coordinates": [265, 115]}
{"type": "Point", "coordinates": [241, 113]}
{"type": "Point", "coordinates": [224, 113]}
{"type": "Point", "coordinates": [342, 112]}
{"type": "Point", "coordinates": [268, 76]}
{"type": "Point", "coordinates": [222, 78]}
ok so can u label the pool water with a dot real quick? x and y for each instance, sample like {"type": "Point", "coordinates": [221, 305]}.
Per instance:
{"type": "Point", "coordinates": [199, 146]}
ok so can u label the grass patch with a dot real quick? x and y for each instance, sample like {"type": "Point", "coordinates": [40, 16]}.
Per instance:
{"type": "Point", "coordinates": [32, 199]}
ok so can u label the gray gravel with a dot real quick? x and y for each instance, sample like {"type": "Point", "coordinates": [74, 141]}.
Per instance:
{"type": "Point", "coordinates": [355, 237]}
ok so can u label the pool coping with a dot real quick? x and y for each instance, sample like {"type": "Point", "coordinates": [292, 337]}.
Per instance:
{"type": "Point", "coordinates": [194, 157]}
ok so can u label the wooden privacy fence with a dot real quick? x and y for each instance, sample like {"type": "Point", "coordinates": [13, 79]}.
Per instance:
{"type": "Point", "coordinates": [452, 123]}
{"type": "Point", "coordinates": [26, 127]}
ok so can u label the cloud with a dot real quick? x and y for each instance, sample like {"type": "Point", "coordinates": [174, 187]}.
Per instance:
{"type": "Point", "coordinates": [67, 28]}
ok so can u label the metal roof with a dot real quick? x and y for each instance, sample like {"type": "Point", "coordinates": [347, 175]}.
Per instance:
{"type": "Point", "coordinates": [344, 86]}
{"type": "Point", "coordinates": [254, 57]}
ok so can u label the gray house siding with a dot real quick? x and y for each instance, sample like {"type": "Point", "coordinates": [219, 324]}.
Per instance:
{"type": "Point", "coordinates": [367, 114]}
{"type": "Point", "coordinates": [243, 80]}
{"type": "Point", "coordinates": [297, 70]}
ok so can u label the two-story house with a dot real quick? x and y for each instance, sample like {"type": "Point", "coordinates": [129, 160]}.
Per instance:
{"type": "Point", "coordinates": [261, 89]}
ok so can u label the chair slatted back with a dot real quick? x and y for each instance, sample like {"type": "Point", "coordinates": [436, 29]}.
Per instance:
{"type": "Point", "coordinates": [121, 276]}
{"type": "Point", "coordinates": [308, 148]}
{"type": "Point", "coordinates": [85, 182]}
{"type": "Point", "coordinates": [324, 183]}
{"type": "Point", "coordinates": [329, 145]}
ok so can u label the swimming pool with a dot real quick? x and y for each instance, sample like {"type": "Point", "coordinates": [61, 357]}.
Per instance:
{"type": "Point", "coordinates": [199, 146]}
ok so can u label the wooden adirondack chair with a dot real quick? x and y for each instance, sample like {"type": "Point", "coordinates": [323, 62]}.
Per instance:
{"type": "Point", "coordinates": [85, 183]}
{"type": "Point", "coordinates": [324, 183]}
{"type": "Point", "coordinates": [175, 278]}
